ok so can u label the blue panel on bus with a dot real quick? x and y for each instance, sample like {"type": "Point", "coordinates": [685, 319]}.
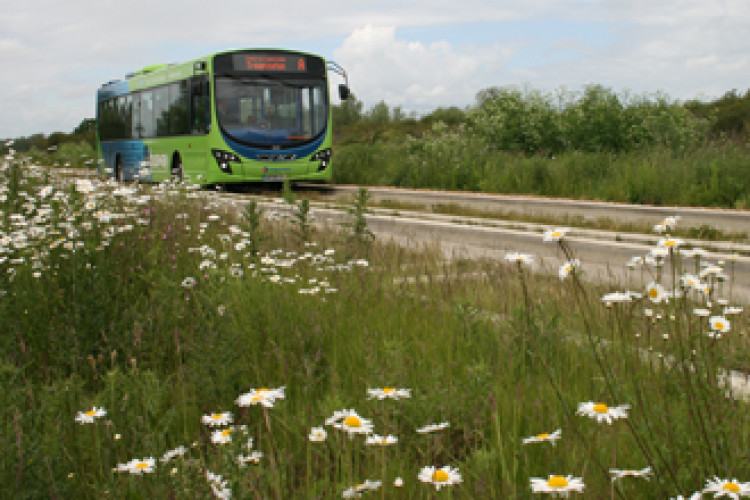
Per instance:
{"type": "Point", "coordinates": [256, 153]}
{"type": "Point", "coordinates": [131, 154]}
{"type": "Point", "coordinates": [112, 89]}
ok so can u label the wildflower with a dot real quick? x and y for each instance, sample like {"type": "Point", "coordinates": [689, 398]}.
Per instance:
{"type": "Point", "coordinates": [376, 439]}
{"type": "Point", "coordinates": [695, 496]}
{"type": "Point", "coordinates": [555, 234]}
{"type": "Point", "coordinates": [670, 242]}
{"type": "Point", "coordinates": [524, 258]}
{"type": "Point", "coordinates": [705, 313]}
{"type": "Point", "coordinates": [177, 452]}
{"type": "Point", "coordinates": [557, 485]}
{"type": "Point", "coordinates": [253, 458]}
{"type": "Point", "coordinates": [620, 473]}
{"type": "Point", "coordinates": [350, 422]}
{"type": "Point", "coordinates": [601, 412]}
{"type": "Point", "coordinates": [567, 268]}
{"type": "Point", "coordinates": [398, 482]}
{"type": "Point", "coordinates": [544, 437]}
{"type": "Point", "coordinates": [711, 270]}
{"type": "Point", "coordinates": [317, 434]}
{"type": "Point", "coordinates": [725, 488]}
{"type": "Point", "coordinates": [690, 281]}
{"type": "Point", "coordinates": [89, 417]}
{"type": "Point", "coordinates": [388, 392]}
{"type": "Point", "coordinates": [218, 486]}
{"type": "Point", "coordinates": [719, 324]}
{"type": "Point", "coordinates": [84, 186]}
{"type": "Point", "coordinates": [189, 282]}
{"type": "Point", "coordinates": [264, 397]}
{"type": "Point", "coordinates": [222, 436]}
{"type": "Point", "coordinates": [217, 419]}
{"type": "Point", "coordinates": [445, 476]}
{"type": "Point", "coordinates": [433, 428]}
{"type": "Point", "coordinates": [730, 310]}
{"type": "Point", "coordinates": [356, 491]}
{"type": "Point", "coordinates": [635, 261]}
{"type": "Point", "coordinates": [616, 297]}
{"type": "Point", "coordinates": [656, 292]}
{"type": "Point", "coordinates": [138, 467]}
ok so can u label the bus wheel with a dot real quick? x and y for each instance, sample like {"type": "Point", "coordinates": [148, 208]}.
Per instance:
{"type": "Point", "coordinates": [176, 168]}
{"type": "Point", "coordinates": [119, 174]}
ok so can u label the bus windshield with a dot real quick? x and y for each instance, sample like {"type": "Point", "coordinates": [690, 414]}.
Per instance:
{"type": "Point", "coordinates": [271, 112]}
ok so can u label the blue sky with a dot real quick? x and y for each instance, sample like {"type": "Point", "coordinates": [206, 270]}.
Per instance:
{"type": "Point", "coordinates": [414, 54]}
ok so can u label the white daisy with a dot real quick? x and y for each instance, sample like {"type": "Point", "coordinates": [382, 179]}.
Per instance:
{"type": "Point", "coordinates": [177, 452]}
{"type": "Point", "coordinates": [352, 423]}
{"type": "Point", "coordinates": [263, 396]}
{"type": "Point", "coordinates": [616, 297]}
{"type": "Point", "coordinates": [317, 435]}
{"type": "Point", "coordinates": [217, 419]}
{"type": "Point", "coordinates": [601, 412]}
{"type": "Point", "coordinates": [375, 439]}
{"type": "Point", "coordinates": [253, 458]}
{"type": "Point", "coordinates": [719, 324]}
{"type": "Point", "coordinates": [388, 393]}
{"type": "Point", "coordinates": [90, 416]}
{"type": "Point", "coordinates": [445, 476]}
{"type": "Point", "coordinates": [555, 234]}
{"type": "Point", "coordinates": [433, 428]}
{"type": "Point", "coordinates": [620, 473]}
{"type": "Point", "coordinates": [138, 466]}
{"type": "Point", "coordinates": [656, 292]}
{"type": "Point", "coordinates": [567, 268]}
{"type": "Point", "coordinates": [671, 242]}
{"type": "Point", "coordinates": [544, 437]}
{"type": "Point", "coordinates": [726, 488]}
{"type": "Point", "coordinates": [524, 258]}
{"type": "Point", "coordinates": [557, 485]}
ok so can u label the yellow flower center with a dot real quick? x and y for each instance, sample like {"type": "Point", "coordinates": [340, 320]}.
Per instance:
{"type": "Point", "coordinates": [542, 436]}
{"type": "Point", "coordinates": [440, 476]}
{"type": "Point", "coordinates": [352, 421]}
{"type": "Point", "coordinates": [217, 416]}
{"type": "Point", "coordinates": [226, 432]}
{"type": "Point", "coordinates": [143, 465]}
{"type": "Point", "coordinates": [731, 487]}
{"type": "Point", "coordinates": [719, 325]}
{"type": "Point", "coordinates": [388, 390]}
{"type": "Point", "coordinates": [601, 408]}
{"type": "Point", "coordinates": [670, 243]}
{"type": "Point", "coordinates": [90, 413]}
{"type": "Point", "coordinates": [557, 482]}
{"type": "Point", "coordinates": [653, 293]}
{"type": "Point", "coordinates": [556, 234]}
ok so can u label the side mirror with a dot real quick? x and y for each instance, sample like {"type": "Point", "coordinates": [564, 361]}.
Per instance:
{"type": "Point", "coordinates": [344, 92]}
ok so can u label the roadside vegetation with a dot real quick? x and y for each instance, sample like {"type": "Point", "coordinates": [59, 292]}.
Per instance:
{"type": "Point", "coordinates": [593, 144]}
{"type": "Point", "coordinates": [163, 342]}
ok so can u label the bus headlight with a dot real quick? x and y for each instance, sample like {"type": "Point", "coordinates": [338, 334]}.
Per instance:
{"type": "Point", "coordinates": [324, 157]}
{"type": "Point", "coordinates": [224, 158]}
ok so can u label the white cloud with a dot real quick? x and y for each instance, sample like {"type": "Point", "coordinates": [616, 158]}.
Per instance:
{"type": "Point", "coordinates": [413, 74]}
{"type": "Point", "coordinates": [411, 53]}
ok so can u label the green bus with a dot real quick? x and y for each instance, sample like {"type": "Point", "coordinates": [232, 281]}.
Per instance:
{"type": "Point", "coordinates": [240, 116]}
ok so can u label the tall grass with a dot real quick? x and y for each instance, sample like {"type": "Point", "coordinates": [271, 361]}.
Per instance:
{"type": "Point", "coordinates": [162, 304]}
{"type": "Point", "coordinates": [457, 159]}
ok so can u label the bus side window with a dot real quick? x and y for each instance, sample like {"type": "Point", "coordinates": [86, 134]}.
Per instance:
{"type": "Point", "coordinates": [199, 105]}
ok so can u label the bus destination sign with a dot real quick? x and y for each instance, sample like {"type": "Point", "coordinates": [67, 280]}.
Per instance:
{"type": "Point", "coordinates": [270, 62]}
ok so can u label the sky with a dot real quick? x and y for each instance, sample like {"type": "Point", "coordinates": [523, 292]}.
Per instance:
{"type": "Point", "coordinates": [415, 54]}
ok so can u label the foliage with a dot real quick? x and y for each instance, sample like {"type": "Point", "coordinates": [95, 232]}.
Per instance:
{"type": "Point", "coordinates": [148, 302]}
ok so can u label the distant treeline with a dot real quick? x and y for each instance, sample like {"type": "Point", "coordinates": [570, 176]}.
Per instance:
{"type": "Point", "coordinates": [596, 119]}
{"type": "Point", "coordinates": [523, 119]}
